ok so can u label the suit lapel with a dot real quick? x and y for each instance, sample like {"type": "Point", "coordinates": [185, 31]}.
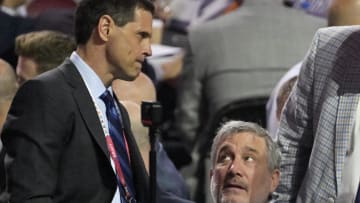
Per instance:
{"type": "Point", "coordinates": [85, 105]}
{"type": "Point", "coordinates": [89, 115]}
{"type": "Point", "coordinates": [349, 94]}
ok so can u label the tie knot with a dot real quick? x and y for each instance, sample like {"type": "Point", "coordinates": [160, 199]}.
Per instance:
{"type": "Point", "coordinates": [107, 97]}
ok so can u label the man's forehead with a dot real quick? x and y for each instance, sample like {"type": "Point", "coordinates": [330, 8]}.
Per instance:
{"type": "Point", "coordinates": [247, 141]}
{"type": "Point", "coordinates": [142, 18]}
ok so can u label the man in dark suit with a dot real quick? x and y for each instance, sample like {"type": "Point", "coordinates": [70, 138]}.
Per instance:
{"type": "Point", "coordinates": [56, 128]}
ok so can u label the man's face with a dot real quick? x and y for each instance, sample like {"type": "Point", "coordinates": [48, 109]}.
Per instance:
{"type": "Point", "coordinates": [26, 69]}
{"type": "Point", "coordinates": [240, 173]}
{"type": "Point", "coordinates": [130, 45]}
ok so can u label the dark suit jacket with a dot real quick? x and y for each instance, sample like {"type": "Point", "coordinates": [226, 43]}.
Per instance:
{"type": "Point", "coordinates": [55, 137]}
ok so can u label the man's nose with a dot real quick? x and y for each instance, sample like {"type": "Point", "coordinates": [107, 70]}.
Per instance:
{"type": "Point", "coordinates": [147, 48]}
{"type": "Point", "coordinates": [237, 167]}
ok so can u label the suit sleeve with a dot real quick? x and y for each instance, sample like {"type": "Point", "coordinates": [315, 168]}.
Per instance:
{"type": "Point", "coordinates": [295, 135]}
{"type": "Point", "coordinates": [34, 137]}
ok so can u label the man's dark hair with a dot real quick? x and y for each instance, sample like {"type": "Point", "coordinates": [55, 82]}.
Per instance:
{"type": "Point", "coordinates": [89, 12]}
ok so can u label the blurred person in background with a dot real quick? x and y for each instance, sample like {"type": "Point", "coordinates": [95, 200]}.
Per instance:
{"type": "Point", "coordinates": [40, 51]}
{"type": "Point", "coordinates": [12, 23]}
{"type": "Point", "coordinates": [35, 7]}
{"type": "Point", "coordinates": [14, 7]}
{"type": "Point", "coordinates": [57, 18]}
{"type": "Point", "coordinates": [8, 88]}
{"type": "Point", "coordinates": [340, 13]}
{"type": "Point", "coordinates": [143, 89]}
{"type": "Point", "coordinates": [225, 70]}
{"type": "Point", "coordinates": [238, 56]}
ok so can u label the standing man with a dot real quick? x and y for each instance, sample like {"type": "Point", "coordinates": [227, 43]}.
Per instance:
{"type": "Point", "coordinates": [245, 164]}
{"type": "Point", "coordinates": [319, 128]}
{"type": "Point", "coordinates": [63, 124]}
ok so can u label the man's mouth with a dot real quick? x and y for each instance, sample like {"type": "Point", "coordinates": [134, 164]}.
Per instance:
{"type": "Point", "coordinates": [140, 60]}
{"type": "Point", "coordinates": [139, 63]}
{"type": "Point", "coordinates": [236, 186]}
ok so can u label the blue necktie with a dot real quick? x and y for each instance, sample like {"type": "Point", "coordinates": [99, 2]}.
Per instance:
{"type": "Point", "coordinates": [115, 130]}
{"type": "Point", "coordinates": [357, 200]}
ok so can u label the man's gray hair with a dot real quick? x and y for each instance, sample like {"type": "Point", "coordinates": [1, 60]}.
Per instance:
{"type": "Point", "coordinates": [231, 128]}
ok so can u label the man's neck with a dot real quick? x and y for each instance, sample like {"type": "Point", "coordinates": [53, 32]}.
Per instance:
{"type": "Point", "coordinates": [96, 63]}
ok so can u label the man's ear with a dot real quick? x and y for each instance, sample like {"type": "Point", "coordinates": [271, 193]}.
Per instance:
{"type": "Point", "coordinates": [275, 178]}
{"type": "Point", "coordinates": [104, 27]}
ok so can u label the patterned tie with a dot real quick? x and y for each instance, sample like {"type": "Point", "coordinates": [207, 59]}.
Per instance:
{"type": "Point", "coordinates": [115, 130]}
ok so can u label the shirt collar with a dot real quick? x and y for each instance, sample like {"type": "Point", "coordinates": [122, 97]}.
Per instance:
{"type": "Point", "coordinates": [91, 79]}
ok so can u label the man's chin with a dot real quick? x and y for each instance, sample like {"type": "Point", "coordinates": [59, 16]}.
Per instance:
{"type": "Point", "coordinates": [234, 198]}
{"type": "Point", "coordinates": [130, 77]}
{"type": "Point", "coordinates": [136, 73]}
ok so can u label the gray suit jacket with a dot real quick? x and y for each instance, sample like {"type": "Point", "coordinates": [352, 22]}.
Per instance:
{"type": "Point", "coordinates": [239, 55]}
{"type": "Point", "coordinates": [317, 123]}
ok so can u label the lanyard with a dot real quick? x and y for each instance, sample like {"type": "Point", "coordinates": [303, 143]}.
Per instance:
{"type": "Point", "coordinates": [113, 154]}
{"type": "Point", "coordinates": [118, 167]}
{"type": "Point", "coordinates": [111, 148]}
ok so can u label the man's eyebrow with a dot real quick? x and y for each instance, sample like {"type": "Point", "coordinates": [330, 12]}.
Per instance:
{"type": "Point", "coordinates": [251, 149]}
{"type": "Point", "coordinates": [225, 147]}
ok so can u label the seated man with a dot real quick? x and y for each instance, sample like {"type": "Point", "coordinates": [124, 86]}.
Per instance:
{"type": "Point", "coordinates": [245, 164]}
